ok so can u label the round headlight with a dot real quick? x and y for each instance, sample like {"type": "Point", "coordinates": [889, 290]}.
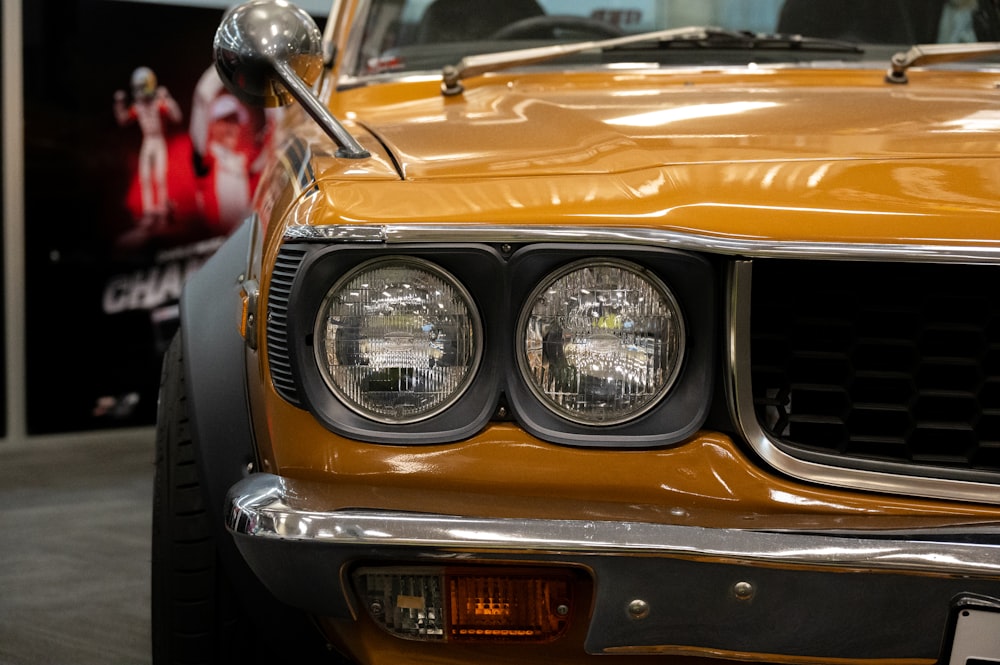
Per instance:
{"type": "Point", "coordinates": [398, 340]}
{"type": "Point", "coordinates": [600, 342]}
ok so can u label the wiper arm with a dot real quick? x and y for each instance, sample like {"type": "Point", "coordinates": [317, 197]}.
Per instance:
{"type": "Point", "coordinates": [709, 37]}
{"type": "Point", "coordinates": [929, 54]}
{"type": "Point", "coordinates": [474, 65]}
{"type": "Point", "coordinates": [722, 38]}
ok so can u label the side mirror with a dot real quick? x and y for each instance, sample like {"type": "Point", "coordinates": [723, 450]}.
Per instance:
{"type": "Point", "coordinates": [269, 53]}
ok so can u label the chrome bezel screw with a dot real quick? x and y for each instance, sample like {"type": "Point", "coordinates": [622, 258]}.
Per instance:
{"type": "Point", "coordinates": [638, 609]}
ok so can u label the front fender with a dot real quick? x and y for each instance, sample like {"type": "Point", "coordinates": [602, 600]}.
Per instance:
{"type": "Point", "coordinates": [215, 370]}
{"type": "Point", "coordinates": [219, 412]}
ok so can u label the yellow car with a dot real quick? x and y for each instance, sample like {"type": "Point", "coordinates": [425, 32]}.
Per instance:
{"type": "Point", "coordinates": [611, 331]}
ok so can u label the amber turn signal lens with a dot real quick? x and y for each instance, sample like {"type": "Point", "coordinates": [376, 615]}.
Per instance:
{"type": "Point", "coordinates": [469, 604]}
{"type": "Point", "coordinates": [518, 607]}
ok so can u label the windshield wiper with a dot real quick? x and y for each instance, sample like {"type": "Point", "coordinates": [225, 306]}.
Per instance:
{"type": "Point", "coordinates": [691, 36]}
{"type": "Point", "coordinates": [721, 38]}
{"type": "Point", "coordinates": [929, 54]}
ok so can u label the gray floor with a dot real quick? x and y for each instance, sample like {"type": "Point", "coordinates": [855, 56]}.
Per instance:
{"type": "Point", "coordinates": [74, 550]}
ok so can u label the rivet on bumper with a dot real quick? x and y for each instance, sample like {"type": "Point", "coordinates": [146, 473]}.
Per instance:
{"type": "Point", "coordinates": [638, 609]}
{"type": "Point", "coordinates": [743, 591]}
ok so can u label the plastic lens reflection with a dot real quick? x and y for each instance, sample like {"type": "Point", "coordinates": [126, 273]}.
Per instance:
{"type": "Point", "coordinates": [398, 340]}
{"type": "Point", "coordinates": [601, 343]}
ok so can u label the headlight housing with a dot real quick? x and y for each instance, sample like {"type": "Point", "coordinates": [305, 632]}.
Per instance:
{"type": "Point", "coordinates": [398, 339]}
{"type": "Point", "coordinates": [600, 342]}
{"type": "Point", "coordinates": [323, 354]}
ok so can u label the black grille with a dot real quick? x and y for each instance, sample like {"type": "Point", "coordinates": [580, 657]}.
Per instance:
{"type": "Point", "coordinates": [285, 268]}
{"type": "Point", "coordinates": [869, 365]}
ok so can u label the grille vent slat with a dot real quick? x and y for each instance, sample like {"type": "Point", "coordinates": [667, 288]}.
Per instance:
{"type": "Point", "coordinates": [283, 276]}
{"type": "Point", "coordinates": [869, 362]}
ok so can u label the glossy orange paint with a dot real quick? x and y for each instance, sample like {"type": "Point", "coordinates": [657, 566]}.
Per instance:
{"type": "Point", "coordinates": [776, 154]}
{"type": "Point", "coordinates": [504, 472]}
{"type": "Point", "coordinates": [772, 154]}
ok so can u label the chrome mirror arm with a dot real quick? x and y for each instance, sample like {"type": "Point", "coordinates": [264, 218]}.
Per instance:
{"type": "Point", "coordinates": [269, 53]}
{"type": "Point", "coordinates": [296, 87]}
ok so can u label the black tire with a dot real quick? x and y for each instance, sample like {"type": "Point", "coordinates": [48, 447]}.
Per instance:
{"type": "Point", "coordinates": [194, 610]}
{"type": "Point", "coordinates": [198, 616]}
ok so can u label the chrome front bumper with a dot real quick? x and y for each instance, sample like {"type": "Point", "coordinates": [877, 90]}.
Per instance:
{"type": "Point", "coordinates": [800, 595]}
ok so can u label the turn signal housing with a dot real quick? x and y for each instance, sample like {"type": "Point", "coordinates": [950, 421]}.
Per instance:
{"type": "Point", "coordinates": [469, 604]}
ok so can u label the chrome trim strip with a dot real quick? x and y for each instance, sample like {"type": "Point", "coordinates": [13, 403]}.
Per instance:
{"type": "Point", "coordinates": [337, 234]}
{"type": "Point", "coordinates": [876, 66]}
{"type": "Point", "coordinates": [263, 506]}
{"type": "Point", "coordinates": [352, 46]}
{"type": "Point", "coordinates": [739, 387]}
{"type": "Point", "coordinates": [331, 31]}
{"type": "Point", "coordinates": [750, 247]}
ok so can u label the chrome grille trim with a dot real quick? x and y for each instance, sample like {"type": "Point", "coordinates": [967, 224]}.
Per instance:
{"type": "Point", "coordinates": [739, 388]}
{"type": "Point", "coordinates": [956, 252]}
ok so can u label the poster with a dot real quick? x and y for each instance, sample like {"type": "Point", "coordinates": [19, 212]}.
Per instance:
{"type": "Point", "coordinates": [138, 164]}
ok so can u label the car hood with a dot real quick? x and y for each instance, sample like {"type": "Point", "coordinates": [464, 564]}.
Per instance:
{"type": "Point", "coordinates": [803, 154]}
{"type": "Point", "coordinates": [612, 125]}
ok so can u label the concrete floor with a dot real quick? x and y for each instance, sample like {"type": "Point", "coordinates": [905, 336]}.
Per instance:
{"type": "Point", "coordinates": [74, 549]}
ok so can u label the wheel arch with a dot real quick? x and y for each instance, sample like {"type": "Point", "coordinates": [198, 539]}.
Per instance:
{"type": "Point", "coordinates": [215, 370]}
{"type": "Point", "coordinates": [215, 391]}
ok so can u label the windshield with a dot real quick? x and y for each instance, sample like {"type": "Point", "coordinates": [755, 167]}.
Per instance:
{"type": "Point", "coordinates": [425, 35]}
